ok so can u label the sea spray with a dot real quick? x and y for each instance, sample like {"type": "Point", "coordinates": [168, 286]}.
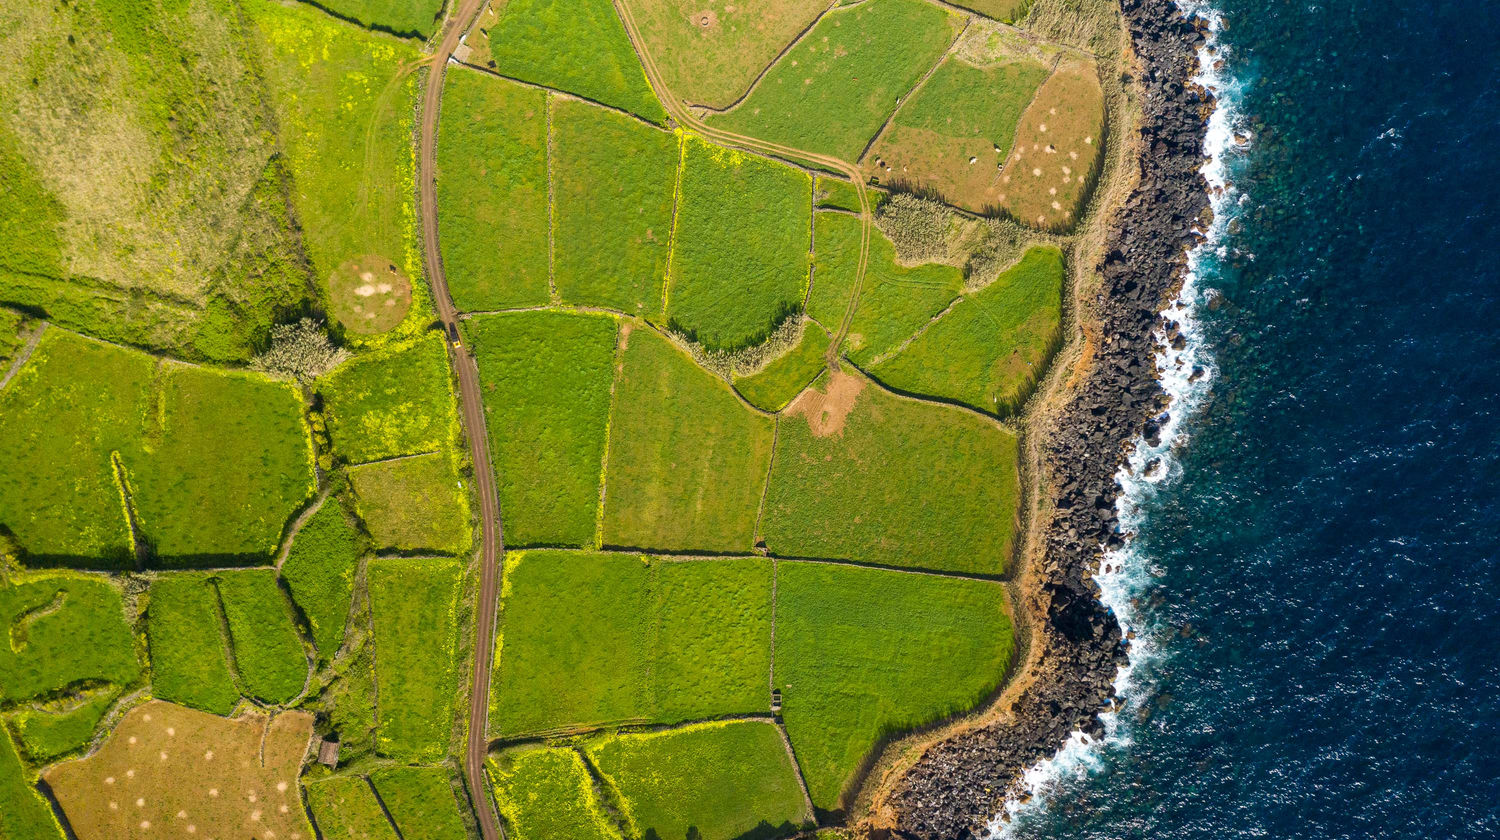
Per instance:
{"type": "Point", "coordinates": [1186, 372]}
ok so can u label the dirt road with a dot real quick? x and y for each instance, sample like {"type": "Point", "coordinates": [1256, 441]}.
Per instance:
{"type": "Point", "coordinates": [492, 539]}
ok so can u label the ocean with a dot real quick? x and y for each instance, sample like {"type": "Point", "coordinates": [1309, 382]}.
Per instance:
{"type": "Point", "coordinates": [1313, 578]}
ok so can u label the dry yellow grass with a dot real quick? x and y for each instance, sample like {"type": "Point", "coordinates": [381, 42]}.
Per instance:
{"type": "Point", "coordinates": [168, 770]}
{"type": "Point", "coordinates": [1056, 155]}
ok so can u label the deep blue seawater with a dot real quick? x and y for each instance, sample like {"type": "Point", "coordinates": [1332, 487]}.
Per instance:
{"type": "Point", "coordinates": [1324, 594]}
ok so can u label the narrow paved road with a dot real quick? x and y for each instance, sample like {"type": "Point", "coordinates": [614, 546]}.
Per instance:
{"type": "Point", "coordinates": [492, 540]}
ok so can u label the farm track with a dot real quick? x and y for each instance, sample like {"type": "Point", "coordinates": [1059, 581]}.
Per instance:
{"type": "Point", "coordinates": [492, 538]}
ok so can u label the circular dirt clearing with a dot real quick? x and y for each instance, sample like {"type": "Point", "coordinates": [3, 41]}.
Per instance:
{"type": "Point", "coordinates": [369, 295]}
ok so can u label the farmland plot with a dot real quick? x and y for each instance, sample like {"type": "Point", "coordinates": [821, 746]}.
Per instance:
{"type": "Point", "coordinates": [772, 387]}
{"type": "Point", "coordinates": [861, 653]}
{"type": "Point", "coordinates": [421, 802]}
{"type": "Point", "coordinates": [403, 17]}
{"type": "Point", "coordinates": [545, 793]}
{"type": "Point", "coordinates": [686, 459]}
{"type": "Point", "coordinates": [413, 605]}
{"type": "Point", "coordinates": [851, 459]}
{"type": "Point", "coordinates": [1057, 153]}
{"type": "Point", "coordinates": [47, 735]}
{"type": "Point", "coordinates": [546, 378]}
{"type": "Point", "coordinates": [345, 808]}
{"type": "Point", "coordinates": [23, 811]}
{"type": "Point", "coordinates": [63, 629]}
{"type": "Point", "coordinates": [319, 570]}
{"type": "Point", "coordinates": [189, 660]}
{"type": "Point", "coordinates": [268, 652]}
{"type": "Point", "coordinates": [391, 402]}
{"type": "Point", "coordinates": [413, 504]}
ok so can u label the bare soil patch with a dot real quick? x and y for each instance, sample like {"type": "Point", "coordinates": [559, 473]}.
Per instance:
{"type": "Point", "coordinates": [826, 410]}
{"type": "Point", "coordinates": [369, 295]}
{"type": "Point", "coordinates": [171, 770]}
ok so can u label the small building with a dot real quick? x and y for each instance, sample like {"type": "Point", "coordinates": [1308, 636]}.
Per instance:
{"type": "Point", "coordinates": [775, 699]}
{"type": "Point", "coordinates": [328, 752]}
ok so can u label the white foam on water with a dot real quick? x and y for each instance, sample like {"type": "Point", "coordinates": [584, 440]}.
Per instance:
{"type": "Point", "coordinates": [1126, 573]}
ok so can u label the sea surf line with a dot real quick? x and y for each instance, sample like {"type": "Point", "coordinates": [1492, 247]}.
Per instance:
{"type": "Point", "coordinates": [1186, 372]}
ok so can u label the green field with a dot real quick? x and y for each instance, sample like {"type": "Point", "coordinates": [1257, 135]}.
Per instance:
{"type": "Point", "coordinates": [772, 387]}
{"type": "Point", "coordinates": [546, 380]}
{"type": "Point", "coordinates": [953, 134]}
{"type": "Point", "coordinates": [227, 462]}
{"type": "Point", "coordinates": [864, 653]}
{"type": "Point", "coordinates": [590, 639]}
{"type": "Point", "coordinates": [717, 781]}
{"type": "Point", "coordinates": [142, 199]}
{"type": "Point", "coordinates": [63, 629]}
{"type": "Point", "coordinates": [836, 194]}
{"type": "Point", "coordinates": [413, 504]}
{"type": "Point", "coordinates": [578, 46]}
{"type": "Point", "coordinates": [404, 17]}
{"type": "Point", "coordinates": [492, 192]}
{"type": "Point", "coordinates": [421, 802]}
{"type": "Point", "coordinates": [740, 252]}
{"type": "Point", "coordinates": [545, 793]}
{"type": "Point", "coordinates": [268, 652]}
{"type": "Point", "coordinates": [990, 349]}
{"type": "Point", "coordinates": [24, 814]}
{"type": "Point", "coordinates": [832, 92]}
{"type": "Point", "coordinates": [1005, 11]}
{"type": "Point", "coordinates": [189, 664]}
{"type": "Point", "coordinates": [343, 99]}
{"type": "Point", "coordinates": [391, 402]}
{"type": "Point", "coordinates": [613, 182]}
{"type": "Point", "coordinates": [686, 459]}
{"type": "Point", "coordinates": [48, 735]}
{"type": "Point", "coordinates": [850, 493]}
{"type": "Point", "coordinates": [345, 808]}
{"type": "Point", "coordinates": [319, 572]}
{"type": "Point", "coordinates": [413, 604]}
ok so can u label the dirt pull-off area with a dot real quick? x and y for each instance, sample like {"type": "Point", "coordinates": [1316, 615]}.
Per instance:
{"type": "Point", "coordinates": [826, 410]}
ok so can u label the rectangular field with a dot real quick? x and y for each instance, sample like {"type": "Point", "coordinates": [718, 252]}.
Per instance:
{"type": "Point", "coordinates": [687, 460]}
{"type": "Point", "coordinates": [421, 802]}
{"type": "Point", "coordinates": [721, 780]}
{"type": "Point", "coordinates": [851, 460]}
{"type": "Point", "coordinates": [345, 808]}
{"type": "Point", "coordinates": [613, 184]}
{"type": "Point", "coordinates": [390, 402]}
{"type": "Point", "coordinates": [492, 192]}
{"type": "Point", "coordinates": [63, 628]}
{"type": "Point", "coordinates": [414, 504]}
{"type": "Point", "coordinates": [546, 379]}
{"type": "Point", "coordinates": [319, 570]}
{"type": "Point", "coordinates": [1057, 153]}
{"type": "Point", "coordinates": [189, 651]}
{"type": "Point", "coordinates": [413, 607]}
{"type": "Point", "coordinates": [864, 653]}
{"type": "Point", "coordinates": [545, 793]}
{"type": "Point", "coordinates": [268, 651]}
{"type": "Point", "coordinates": [740, 250]}
{"type": "Point", "coordinates": [832, 92]}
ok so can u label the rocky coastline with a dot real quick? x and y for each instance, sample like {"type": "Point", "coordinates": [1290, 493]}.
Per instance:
{"type": "Point", "coordinates": [957, 786]}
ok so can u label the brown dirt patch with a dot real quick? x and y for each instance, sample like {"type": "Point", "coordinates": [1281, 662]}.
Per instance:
{"type": "Point", "coordinates": [168, 770]}
{"type": "Point", "coordinates": [369, 295]}
{"type": "Point", "coordinates": [1056, 156]}
{"type": "Point", "coordinates": [826, 410]}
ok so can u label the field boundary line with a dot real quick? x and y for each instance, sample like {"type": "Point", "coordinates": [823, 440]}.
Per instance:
{"type": "Point", "coordinates": [25, 355]}
{"type": "Point", "coordinates": [621, 337]}
{"type": "Point", "coordinates": [765, 486]}
{"type": "Point", "coordinates": [557, 92]}
{"type": "Point", "coordinates": [384, 809]}
{"type": "Point", "coordinates": [368, 27]}
{"type": "Point", "coordinates": [754, 83]}
{"type": "Point", "coordinates": [666, 278]}
{"type": "Point", "coordinates": [710, 557]}
{"type": "Point", "coordinates": [391, 458]}
{"type": "Point", "coordinates": [1008, 423]}
{"type": "Point", "coordinates": [625, 727]}
{"type": "Point", "coordinates": [548, 101]}
{"type": "Point", "coordinates": [892, 353]}
{"type": "Point", "coordinates": [791, 755]}
{"type": "Point", "coordinates": [603, 790]}
{"type": "Point", "coordinates": [561, 306]}
{"type": "Point", "coordinates": [296, 527]}
{"type": "Point", "coordinates": [977, 577]}
{"type": "Point", "coordinates": [914, 90]}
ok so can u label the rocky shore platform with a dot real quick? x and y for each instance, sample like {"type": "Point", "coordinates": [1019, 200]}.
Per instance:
{"type": "Point", "coordinates": [958, 785]}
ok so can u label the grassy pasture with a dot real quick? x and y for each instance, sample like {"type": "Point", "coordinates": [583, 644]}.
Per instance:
{"type": "Point", "coordinates": [1056, 155]}
{"type": "Point", "coordinates": [344, 101]}
{"type": "Point", "coordinates": [686, 459]}
{"type": "Point", "coordinates": [413, 504]}
{"type": "Point", "coordinates": [833, 91]}
{"type": "Point", "coordinates": [268, 652]}
{"type": "Point", "coordinates": [395, 401]}
{"type": "Point", "coordinates": [709, 53]}
{"type": "Point", "coordinates": [413, 604]}
{"type": "Point", "coordinates": [492, 192]}
{"type": "Point", "coordinates": [593, 639]}
{"type": "Point", "coordinates": [142, 201]}
{"type": "Point", "coordinates": [403, 17]}
{"type": "Point", "coordinates": [12, 324]}
{"type": "Point", "coordinates": [577, 46]}
{"type": "Point", "coordinates": [863, 653]}
{"type": "Point", "coordinates": [851, 461]}
{"type": "Point", "coordinates": [319, 572]}
{"type": "Point", "coordinates": [47, 735]}
{"type": "Point", "coordinates": [345, 808]}
{"type": "Point", "coordinates": [723, 780]}
{"type": "Point", "coordinates": [740, 253]}
{"type": "Point", "coordinates": [951, 136]}
{"type": "Point", "coordinates": [23, 811]}
{"type": "Point", "coordinates": [836, 194]}
{"type": "Point", "coordinates": [421, 802]}
{"type": "Point", "coordinates": [1005, 11]}
{"type": "Point", "coordinates": [227, 461]}
{"type": "Point", "coordinates": [63, 629]}
{"type": "Point", "coordinates": [989, 350]}
{"type": "Point", "coordinates": [544, 793]}
{"type": "Point", "coordinates": [369, 295]}
{"type": "Point", "coordinates": [894, 301]}
{"type": "Point", "coordinates": [546, 378]}
{"type": "Point", "coordinates": [166, 767]}
{"type": "Point", "coordinates": [613, 182]}
{"type": "Point", "coordinates": [774, 386]}
{"type": "Point", "coordinates": [189, 664]}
